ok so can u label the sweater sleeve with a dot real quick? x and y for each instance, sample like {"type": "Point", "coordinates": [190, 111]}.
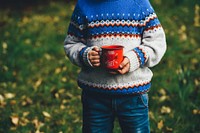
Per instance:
{"type": "Point", "coordinates": [75, 42]}
{"type": "Point", "coordinates": [153, 41]}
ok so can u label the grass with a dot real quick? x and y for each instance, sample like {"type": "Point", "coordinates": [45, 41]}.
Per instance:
{"type": "Point", "coordinates": [38, 89]}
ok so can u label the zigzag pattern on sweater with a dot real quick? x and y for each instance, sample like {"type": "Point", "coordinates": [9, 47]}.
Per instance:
{"type": "Point", "coordinates": [118, 22]}
{"type": "Point", "coordinates": [137, 88]}
{"type": "Point", "coordinates": [110, 28]}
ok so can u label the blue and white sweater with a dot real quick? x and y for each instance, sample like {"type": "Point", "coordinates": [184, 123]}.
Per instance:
{"type": "Point", "coordinates": [130, 23]}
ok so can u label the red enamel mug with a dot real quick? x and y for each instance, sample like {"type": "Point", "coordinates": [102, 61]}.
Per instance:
{"type": "Point", "coordinates": [112, 56]}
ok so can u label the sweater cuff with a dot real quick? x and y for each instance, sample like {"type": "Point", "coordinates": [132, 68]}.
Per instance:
{"type": "Point", "coordinates": [141, 55]}
{"type": "Point", "coordinates": [83, 56]}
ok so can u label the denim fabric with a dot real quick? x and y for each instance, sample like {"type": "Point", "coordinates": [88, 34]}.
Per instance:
{"type": "Point", "coordinates": [100, 111]}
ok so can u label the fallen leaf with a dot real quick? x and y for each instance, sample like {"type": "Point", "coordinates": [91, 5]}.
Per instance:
{"type": "Point", "coordinates": [160, 124]}
{"type": "Point", "coordinates": [64, 69]}
{"type": "Point", "coordinates": [46, 114]}
{"type": "Point", "coordinates": [26, 101]}
{"type": "Point", "coordinates": [162, 91]}
{"type": "Point", "coordinates": [70, 95]}
{"type": "Point", "coordinates": [196, 111]}
{"type": "Point", "coordinates": [5, 68]}
{"type": "Point", "coordinates": [61, 91]}
{"type": "Point", "coordinates": [23, 121]}
{"type": "Point", "coordinates": [38, 83]}
{"type": "Point", "coordinates": [9, 95]}
{"type": "Point", "coordinates": [37, 123]}
{"type": "Point", "coordinates": [27, 41]}
{"type": "Point", "coordinates": [47, 56]}
{"type": "Point", "coordinates": [57, 70]}
{"type": "Point", "coordinates": [163, 98]}
{"type": "Point", "coordinates": [1, 99]}
{"type": "Point", "coordinates": [4, 45]}
{"type": "Point", "coordinates": [62, 106]}
{"type": "Point", "coordinates": [194, 61]}
{"type": "Point", "coordinates": [13, 102]}
{"type": "Point", "coordinates": [196, 82]}
{"type": "Point", "coordinates": [169, 129]}
{"type": "Point", "coordinates": [64, 79]}
{"type": "Point", "coordinates": [56, 19]}
{"type": "Point", "coordinates": [151, 115]}
{"type": "Point", "coordinates": [198, 51]}
{"type": "Point", "coordinates": [15, 120]}
{"type": "Point", "coordinates": [26, 114]}
{"type": "Point", "coordinates": [165, 110]}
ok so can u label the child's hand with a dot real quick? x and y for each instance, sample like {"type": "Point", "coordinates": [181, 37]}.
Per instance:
{"type": "Point", "coordinates": [94, 57]}
{"type": "Point", "coordinates": [123, 68]}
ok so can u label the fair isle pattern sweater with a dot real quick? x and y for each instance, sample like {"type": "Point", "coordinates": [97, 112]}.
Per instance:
{"type": "Point", "coordinates": [130, 23]}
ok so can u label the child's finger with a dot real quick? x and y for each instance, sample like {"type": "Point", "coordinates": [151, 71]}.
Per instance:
{"type": "Point", "coordinates": [97, 49]}
{"type": "Point", "coordinates": [94, 52]}
{"type": "Point", "coordinates": [125, 69]}
{"type": "Point", "coordinates": [124, 63]}
{"type": "Point", "coordinates": [94, 57]}
{"type": "Point", "coordinates": [95, 61]}
{"type": "Point", "coordinates": [96, 64]}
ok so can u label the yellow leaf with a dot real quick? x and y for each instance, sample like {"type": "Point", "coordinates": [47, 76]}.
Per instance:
{"type": "Point", "coordinates": [162, 91]}
{"type": "Point", "coordinates": [46, 114]}
{"type": "Point", "coordinates": [47, 56]}
{"type": "Point", "coordinates": [15, 120]}
{"type": "Point", "coordinates": [198, 51]}
{"type": "Point", "coordinates": [163, 98]}
{"type": "Point", "coordinates": [151, 115]}
{"type": "Point", "coordinates": [160, 124]}
{"type": "Point", "coordinates": [1, 99]}
{"type": "Point", "coordinates": [38, 83]}
{"type": "Point", "coordinates": [5, 68]}
{"type": "Point", "coordinates": [9, 95]}
{"type": "Point", "coordinates": [169, 129]}
{"type": "Point", "coordinates": [37, 123]}
{"type": "Point", "coordinates": [58, 70]}
{"type": "Point", "coordinates": [196, 112]}
{"type": "Point", "coordinates": [26, 114]}
{"type": "Point", "coordinates": [165, 110]}
{"type": "Point", "coordinates": [26, 101]}
{"type": "Point", "coordinates": [4, 45]}
{"type": "Point", "coordinates": [25, 20]}
{"type": "Point", "coordinates": [61, 91]}
{"type": "Point", "coordinates": [56, 19]}
{"type": "Point", "coordinates": [194, 61]}
{"type": "Point", "coordinates": [27, 41]}
{"type": "Point", "coordinates": [24, 121]}
{"type": "Point", "coordinates": [197, 16]}
{"type": "Point", "coordinates": [196, 82]}
{"type": "Point", "coordinates": [64, 79]}
{"type": "Point", "coordinates": [62, 106]}
{"type": "Point", "coordinates": [64, 68]}
{"type": "Point", "coordinates": [13, 102]}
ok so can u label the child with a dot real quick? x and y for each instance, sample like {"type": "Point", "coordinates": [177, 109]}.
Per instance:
{"type": "Point", "coordinates": [121, 94]}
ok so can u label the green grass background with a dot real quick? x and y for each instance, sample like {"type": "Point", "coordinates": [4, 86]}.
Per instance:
{"type": "Point", "coordinates": [38, 89]}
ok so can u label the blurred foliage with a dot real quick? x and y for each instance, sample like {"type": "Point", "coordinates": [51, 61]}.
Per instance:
{"type": "Point", "coordinates": [38, 90]}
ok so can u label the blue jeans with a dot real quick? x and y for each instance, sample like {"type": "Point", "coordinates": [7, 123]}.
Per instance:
{"type": "Point", "coordinates": [100, 110]}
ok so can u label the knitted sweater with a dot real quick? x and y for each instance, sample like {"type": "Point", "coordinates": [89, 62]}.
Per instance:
{"type": "Point", "coordinates": [130, 23]}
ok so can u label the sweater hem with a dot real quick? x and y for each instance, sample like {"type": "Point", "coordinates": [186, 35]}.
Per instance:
{"type": "Point", "coordinates": [135, 89]}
